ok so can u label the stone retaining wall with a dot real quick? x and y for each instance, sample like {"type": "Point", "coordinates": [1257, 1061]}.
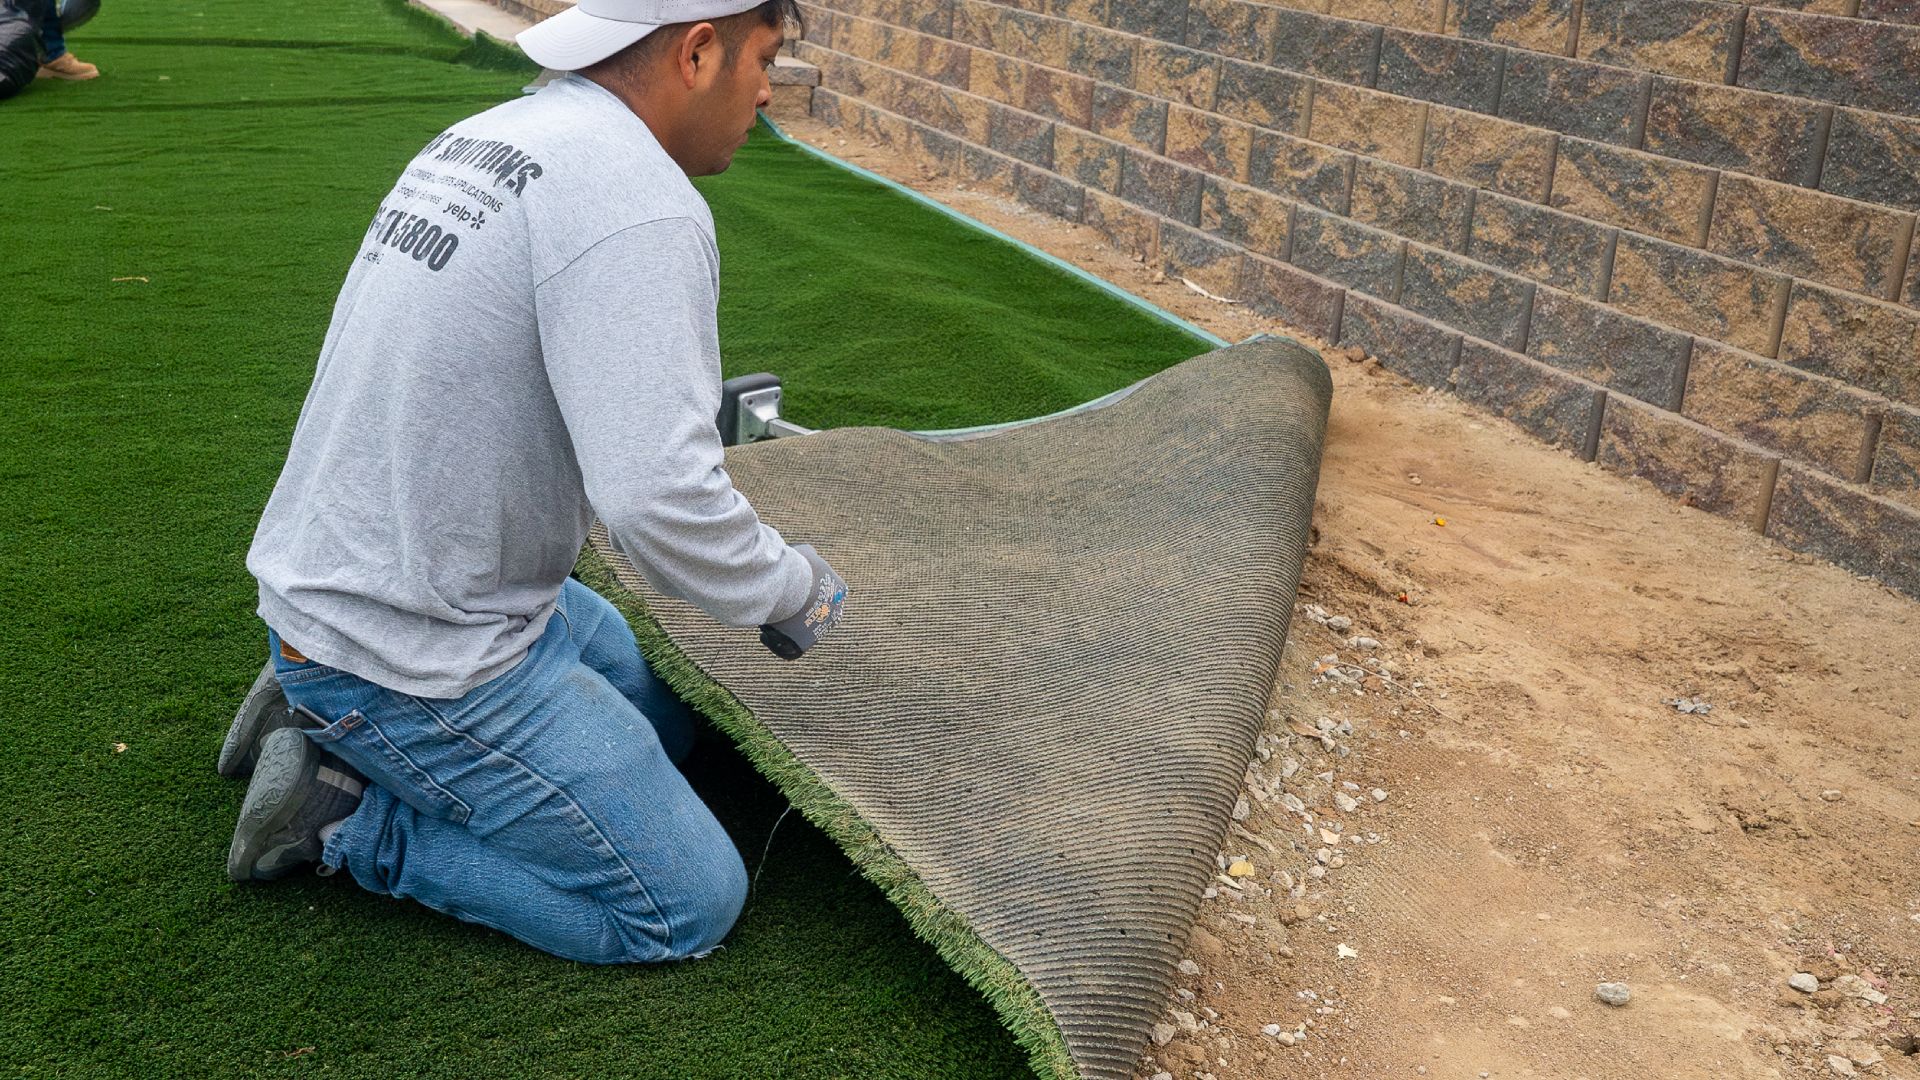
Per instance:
{"type": "Point", "coordinates": [1675, 236]}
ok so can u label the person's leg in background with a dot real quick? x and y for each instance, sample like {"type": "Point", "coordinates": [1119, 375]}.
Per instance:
{"type": "Point", "coordinates": [543, 804]}
{"type": "Point", "coordinates": [58, 63]}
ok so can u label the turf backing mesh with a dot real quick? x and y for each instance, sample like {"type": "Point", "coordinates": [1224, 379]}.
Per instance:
{"type": "Point", "coordinates": [1032, 724]}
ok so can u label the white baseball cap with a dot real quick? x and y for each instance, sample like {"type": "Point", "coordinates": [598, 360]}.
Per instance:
{"type": "Point", "coordinates": [593, 30]}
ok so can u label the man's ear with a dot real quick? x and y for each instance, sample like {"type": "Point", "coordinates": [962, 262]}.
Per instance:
{"type": "Point", "coordinates": [699, 54]}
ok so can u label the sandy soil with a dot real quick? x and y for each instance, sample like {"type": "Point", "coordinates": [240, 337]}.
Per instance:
{"type": "Point", "coordinates": [1549, 820]}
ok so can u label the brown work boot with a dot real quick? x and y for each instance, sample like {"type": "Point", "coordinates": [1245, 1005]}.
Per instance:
{"type": "Point", "coordinates": [68, 66]}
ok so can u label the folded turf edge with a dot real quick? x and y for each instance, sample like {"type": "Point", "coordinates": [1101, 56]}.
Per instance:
{"type": "Point", "coordinates": [1005, 988]}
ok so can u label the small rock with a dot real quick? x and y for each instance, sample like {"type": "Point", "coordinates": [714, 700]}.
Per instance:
{"type": "Point", "coordinates": [1840, 1066]}
{"type": "Point", "coordinates": [1292, 802]}
{"type": "Point", "coordinates": [1270, 1029]}
{"type": "Point", "coordinates": [1241, 808]}
{"type": "Point", "coordinates": [1183, 995]}
{"type": "Point", "coordinates": [1613, 993]}
{"type": "Point", "coordinates": [1339, 623]}
{"type": "Point", "coordinates": [1161, 1076]}
{"type": "Point", "coordinates": [1832, 795]}
{"type": "Point", "coordinates": [1346, 952]}
{"type": "Point", "coordinates": [1855, 986]}
{"type": "Point", "coordinates": [1187, 1021]}
{"type": "Point", "coordinates": [1163, 1034]}
{"type": "Point", "coordinates": [1347, 803]}
{"type": "Point", "coordinates": [1379, 795]}
{"type": "Point", "coordinates": [1803, 982]}
{"type": "Point", "coordinates": [1240, 868]}
{"type": "Point", "coordinates": [1188, 967]}
{"type": "Point", "coordinates": [1363, 643]}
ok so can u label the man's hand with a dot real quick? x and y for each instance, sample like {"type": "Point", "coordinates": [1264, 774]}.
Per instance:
{"type": "Point", "coordinates": [797, 633]}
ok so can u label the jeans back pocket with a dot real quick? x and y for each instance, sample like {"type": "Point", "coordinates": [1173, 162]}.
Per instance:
{"type": "Point", "coordinates": [360, 741]}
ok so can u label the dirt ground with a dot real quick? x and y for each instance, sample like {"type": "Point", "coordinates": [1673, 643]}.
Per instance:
{"type": "Point", "coordinates": [1476, 799]}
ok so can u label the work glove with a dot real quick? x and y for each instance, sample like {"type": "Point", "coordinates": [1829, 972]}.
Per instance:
{"type": "Point", "coordinates": [797, 633]}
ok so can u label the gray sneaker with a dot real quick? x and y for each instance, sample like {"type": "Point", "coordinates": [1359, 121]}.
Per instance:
{"type": "Point", "coordinates": [264, 709]}
{"type": "Point", "coordinates": [296, 790]}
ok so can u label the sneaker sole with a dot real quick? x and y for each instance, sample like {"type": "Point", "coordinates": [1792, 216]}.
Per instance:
{"type": "Point", "coordinates": [287, 762]}
{"type": "Point", "coordinates": [265, 701]}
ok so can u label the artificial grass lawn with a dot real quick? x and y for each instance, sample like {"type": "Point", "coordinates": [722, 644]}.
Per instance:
{"type": "Point", "coordinates": [231, 156]}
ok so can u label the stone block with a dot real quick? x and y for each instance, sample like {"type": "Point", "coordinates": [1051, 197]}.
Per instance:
{"type": "Point", "coordinates": [1284, 292]}
{"type": "Point", "coordinates": [1207, 261]}
{"type": "Point", "coordinates": [1690, 290]}
{"type": "Point", "coordinates": [1548, 246]}
{"type": "Point", "coordinates": [951, 111]}
{"type": "Point", "coordinates": [1548, 403]}
{"type": "Point", "coordinates": [1539, 25]}
{"type": "Point", "coordinates": [1896, 467]}
{"type": "Point", "coordinates": [1868, 65]}
{"type": "Point", "coordinates": [1208, 142]}
{"type": "Point", "coordinates": [983, 168]}
{"type": "Point", "coordinates": [819, 28]}
{"type": "Point", "coordinates": [1131, 118]}
{"type": "Point", "coordinates": [1235, 28]}
{"type": "Point", "coordinates": [1099, 54]}
{"type": "Point", "coordinates": [1344, 251]}
{"type": "Point", "coordinates": [1186, 76]}
{"type": "Point", "coordinates": [1265, 96]}
{"type": "Point", "coordinates": [1417, 349]}
{"type": "Point", "coordinates": [1866, 344]}
{"type": "Point", "coordinates": [1088, 159]}
{"type": "Point", "coordinates": [1618, 351]}
{"type": "Point", "coordinates": [1865, 534]}
{"type": "Point", "coordinates": [1741, 130]}
{"type": "Point", "coordinates": [1777, 407]}
{"type": "Point", "coordinates": [1687, 460]}
{"type": "Point", "coordinates": [1639, 191]}
{"type": "Point", "coordinates": [1487, 152]}
{"type": "Point", "coordinates": [1329, 48]}
{"type": "Point", "coordinates": [1406, 202]}
{"type": "Point", "coordinates": [1368, 122]}
{"type": "Point", "coordinates": [1163, 19]}
{"type": "Point", "coordinates": [1128, 228]}
{"type": "Point", "coordinates": [1164, 187]}
{"type": "Point", "coordinates": [1020, 135]}
{"type": "Point", "coordinates": [1444, 70]}
{"type": "Point", "coordinates": [1467, 295]}
{"type": "Point", "coordinates": [1574, 97]}
{"type": "Point", "coordinates": [1048, 193]}
{"type": "Point", "coordinates": [1011, 32]}
{"type": "Point", "coordinates": [1246, 216]}
{"type": "Point", "coordinates": [1896, 11]}
{"type": "Point", "coordinates": [1810, 234]}
{"type": "Point", "coordinates": [1084, 11]}
{"type": "Point", "coordinates": [1425, 15]}
{"type": "Point", "coordinates": [1300, 170]}
{"type": "Point", "coordinates": [825, 107]}
{"type": "Point", "coordinates": [1040, 90]}
{"type": "Point", "coordinates": [1873, 158]}
{"type": "Point", "coordinates": [1693, 39]}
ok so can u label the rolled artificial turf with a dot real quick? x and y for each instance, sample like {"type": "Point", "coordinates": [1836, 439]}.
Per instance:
{"type": "Point", "coordinates": [223, 169]}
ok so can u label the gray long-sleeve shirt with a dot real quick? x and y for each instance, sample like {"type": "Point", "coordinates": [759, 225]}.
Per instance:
{"type": "Point", "coordinates": [527, 338]}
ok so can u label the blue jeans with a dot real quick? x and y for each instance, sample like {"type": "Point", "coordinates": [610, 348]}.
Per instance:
{"type": "Point", "coordinates": [546, 803]}
{"type": "Point", "coordinates": [46, 14]}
